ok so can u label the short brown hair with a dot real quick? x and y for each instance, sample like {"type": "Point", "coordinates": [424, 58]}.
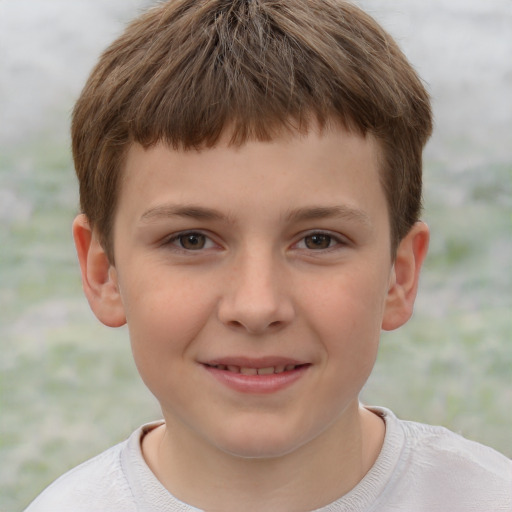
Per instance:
{"type": "Point", "coordinates": [187, 69]}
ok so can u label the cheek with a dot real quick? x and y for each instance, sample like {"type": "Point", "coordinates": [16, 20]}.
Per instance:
{"type": "Point", "coordinates": [347, 320]}
{"type": "Point", "coordinates": [350, 303]}
{"type": "Point", "coordinates": [163, 319]}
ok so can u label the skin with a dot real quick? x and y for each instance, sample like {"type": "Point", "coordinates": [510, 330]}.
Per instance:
{"type": "Point", "coordinates": [266, 253]}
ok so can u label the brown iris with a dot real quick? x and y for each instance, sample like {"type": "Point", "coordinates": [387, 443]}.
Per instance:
{"type": "Point", "coordinates": [318, 241]}
{"type": "Point", "coordinates": [192, 241]}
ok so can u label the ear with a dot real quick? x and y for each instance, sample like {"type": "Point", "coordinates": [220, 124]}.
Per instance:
{"type": "Point", "coordinates": [99, 277]}
{"type": "Point", "coordinates": [405, 276]}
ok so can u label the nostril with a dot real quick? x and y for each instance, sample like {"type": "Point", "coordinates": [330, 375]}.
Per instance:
{"type": "Point", "coordinates": [253, 327]}
{"type": "Point", "coordinates": [235, 323]}
{"type": "Point", "coordinates": [253, 315]}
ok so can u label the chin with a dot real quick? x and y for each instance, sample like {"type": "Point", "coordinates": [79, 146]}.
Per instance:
{"type": "Point", "coordinates": [260, 442]}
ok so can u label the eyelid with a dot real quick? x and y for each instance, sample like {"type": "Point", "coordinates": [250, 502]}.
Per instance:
{"type": "Point", "coordinates": [341, 240]}
{"type": "Point", "coordinates": [169, 240]}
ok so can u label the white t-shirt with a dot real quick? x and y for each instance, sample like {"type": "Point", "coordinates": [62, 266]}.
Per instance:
{"type": "Point", "coordinates": [420, 469]}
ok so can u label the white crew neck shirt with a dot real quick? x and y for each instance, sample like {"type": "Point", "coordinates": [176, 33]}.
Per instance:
{"type": "Point", "coordinates": [420, 469]}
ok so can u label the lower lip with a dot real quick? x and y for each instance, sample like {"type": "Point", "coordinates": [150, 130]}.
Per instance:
{"type": "Point", "coordinates": [257, 384]}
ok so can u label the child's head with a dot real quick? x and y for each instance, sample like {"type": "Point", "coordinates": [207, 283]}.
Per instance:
{"type": "Point", "coordinates": [187, 72]}
{"type": "Point", "coordinates": [260, 161]}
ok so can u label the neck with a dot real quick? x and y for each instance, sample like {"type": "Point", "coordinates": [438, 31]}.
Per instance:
{"type": "Point", "coordinates": [310, 477]}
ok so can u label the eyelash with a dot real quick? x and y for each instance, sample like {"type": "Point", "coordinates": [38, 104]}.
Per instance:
{"type": "Point", "coordinates": [178, 237]}
{"type": "Point", "coordinates": [334, 241]}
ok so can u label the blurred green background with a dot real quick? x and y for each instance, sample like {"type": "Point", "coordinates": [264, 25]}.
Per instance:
{"type": "Point", "coordinates": [68, 386]}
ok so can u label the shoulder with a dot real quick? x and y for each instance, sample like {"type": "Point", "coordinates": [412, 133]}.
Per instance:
{"type": "Point", "coordinates": [444, 468]}
{"type": "Point", "coordinates": [98, 484]}
{"type": "Point", "coordinates": [442, 445]}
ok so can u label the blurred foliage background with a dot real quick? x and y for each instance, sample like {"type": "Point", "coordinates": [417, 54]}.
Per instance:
{"type": "Point", "coordinates": [68, 386]}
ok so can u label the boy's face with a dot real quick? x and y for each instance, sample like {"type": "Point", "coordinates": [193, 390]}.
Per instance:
{"type": "Point", "coordinates": [271, 258]}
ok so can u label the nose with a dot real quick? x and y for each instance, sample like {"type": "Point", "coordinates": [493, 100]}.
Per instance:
{"type": "Point", "coordinates": [256, 297]}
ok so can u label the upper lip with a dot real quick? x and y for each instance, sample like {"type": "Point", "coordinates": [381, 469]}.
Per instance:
{"type": "Point", "coordinates": [250, 362]}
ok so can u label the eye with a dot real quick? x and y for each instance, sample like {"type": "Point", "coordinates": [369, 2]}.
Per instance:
{"type": "Point", "coordinates": [191, 241]}
{"type": "Point", "coordinates": [318, 241]}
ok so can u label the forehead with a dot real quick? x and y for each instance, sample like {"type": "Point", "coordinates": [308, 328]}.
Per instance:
{"type": "Point", "coordinates": [330, 166]}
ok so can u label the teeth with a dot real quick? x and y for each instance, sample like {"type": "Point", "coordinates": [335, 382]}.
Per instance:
{"type": "Point", "coordinates": [256, 371]}
{"type": "Point", "coordinates": [249, 371]}
{"type": "Point", "coordinates": [266, 371]}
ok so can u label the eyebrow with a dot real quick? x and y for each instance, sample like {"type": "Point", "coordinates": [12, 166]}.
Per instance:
{"type": "Point", "coordinates": [328, 212]}
{"type": "Point", "coordinates": [189, 211]}
{"type": "Point", "coordinates": [167, 211]}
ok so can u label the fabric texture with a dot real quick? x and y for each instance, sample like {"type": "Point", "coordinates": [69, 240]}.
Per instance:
{"type": "Point", "coordinates": [420, 468]}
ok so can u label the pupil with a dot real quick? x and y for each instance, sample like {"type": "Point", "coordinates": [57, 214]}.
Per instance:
{"type": "Point", "coordinates": [318, 241]}
{"type": "Point", "coordinates": [192, 241]}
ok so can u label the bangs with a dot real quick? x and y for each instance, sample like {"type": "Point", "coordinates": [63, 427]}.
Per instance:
{"type": "Point", "coordinates": [191, 70]}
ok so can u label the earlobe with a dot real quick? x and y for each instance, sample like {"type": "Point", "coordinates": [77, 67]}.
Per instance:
{"type": "Point", "coordinates": [99, 277]}
{"type": "Point", "coordinates": [405, 277]}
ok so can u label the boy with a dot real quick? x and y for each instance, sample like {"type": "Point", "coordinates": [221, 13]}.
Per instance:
{"type": "Point", "coordinates": [250, 183]}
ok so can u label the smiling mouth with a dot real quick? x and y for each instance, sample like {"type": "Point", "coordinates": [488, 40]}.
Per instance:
{"type": "Point", "coordinates": [270, 370]}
